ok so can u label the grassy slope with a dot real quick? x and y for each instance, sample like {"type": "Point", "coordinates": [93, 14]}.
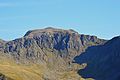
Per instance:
{"type": "Point", "coordinates": [33, 71]}
{"type": "Point", "coordinates": [21, 72]}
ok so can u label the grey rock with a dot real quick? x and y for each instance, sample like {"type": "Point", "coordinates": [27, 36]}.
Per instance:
{"type": "Point", "coordinates": [37, 45]}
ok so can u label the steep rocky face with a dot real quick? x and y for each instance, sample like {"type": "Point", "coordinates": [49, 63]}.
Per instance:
{"type": "Point", "coordinates": [103, 61]}
{"type": "Point", "coordinates": [50, 46]}
{"type": "Point", "coordinates": [62, 40]}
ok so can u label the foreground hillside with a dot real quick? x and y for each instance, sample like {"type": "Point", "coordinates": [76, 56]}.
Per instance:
{"type": "Point", "coordinates": [14, 71]}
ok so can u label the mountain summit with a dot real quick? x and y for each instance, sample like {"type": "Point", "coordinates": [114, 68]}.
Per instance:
{"type": "Point", "coordinates": [66, 43]}
{"type": "Point", "coordinates": [49, 30]}
{"type": "Point", "coordinates": [55, 54]}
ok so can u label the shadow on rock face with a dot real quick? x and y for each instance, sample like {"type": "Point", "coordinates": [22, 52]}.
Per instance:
{"type": "Point", "coordinates": [103, 61]}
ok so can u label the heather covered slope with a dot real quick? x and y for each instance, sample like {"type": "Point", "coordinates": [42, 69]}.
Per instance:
{"type": "Point", "coordinates": [103, 61]}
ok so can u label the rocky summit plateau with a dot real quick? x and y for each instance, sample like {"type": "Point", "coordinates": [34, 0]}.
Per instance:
{"type": "Point", "coordinates": [58, 54]}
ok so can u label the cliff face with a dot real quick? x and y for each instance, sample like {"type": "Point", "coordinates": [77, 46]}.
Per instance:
{"type": "Point", "coordinates": [49, 48]}
{"type": "Point", "coordinates": [38, 44]}
{"type": "Point", "coordinates": [103, 62]}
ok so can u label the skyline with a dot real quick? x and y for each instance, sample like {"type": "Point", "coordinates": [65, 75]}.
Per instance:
{"type": "Point", "coordinates": [90, 17]}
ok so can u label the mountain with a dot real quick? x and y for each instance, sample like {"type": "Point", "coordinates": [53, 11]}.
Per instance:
{"type": "Point", "coordinates": [37, 44]}
{"type": "Point", "coordinates": [103, 61]}
{"type": "Point", "coordinates": [45, 54]}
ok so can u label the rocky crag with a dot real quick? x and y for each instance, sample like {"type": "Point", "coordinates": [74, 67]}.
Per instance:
{"type": "Point", "coordinates": [55, 48]}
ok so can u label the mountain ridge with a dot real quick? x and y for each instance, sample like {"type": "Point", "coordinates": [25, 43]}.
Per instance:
{"type": "Point", "coordinates": [58, 39]}
{"type": "Point", "coordinates": [53, 48]}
